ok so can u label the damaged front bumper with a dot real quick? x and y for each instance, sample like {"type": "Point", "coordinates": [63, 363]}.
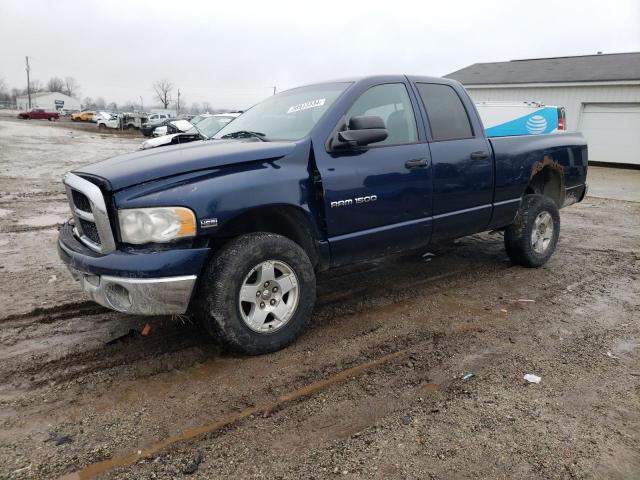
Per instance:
{"type": "Point", "coordinates": [137, 282]}
{"type": "Point", "coordinates": [140, 296]}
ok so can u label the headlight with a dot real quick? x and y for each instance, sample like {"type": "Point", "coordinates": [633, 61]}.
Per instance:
{"type": "Point", "coordinates": [156, 225]}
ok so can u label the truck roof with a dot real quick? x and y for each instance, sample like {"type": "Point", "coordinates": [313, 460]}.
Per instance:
{"type": "Point", "coordinates": [385, 78]}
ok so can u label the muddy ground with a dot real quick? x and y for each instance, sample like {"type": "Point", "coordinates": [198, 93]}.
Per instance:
{"type": "Point", "coordinates": [373, 389]}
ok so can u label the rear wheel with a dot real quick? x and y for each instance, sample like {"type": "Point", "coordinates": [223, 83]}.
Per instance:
{"type": "Point", "coordinates": [257, 294]}
{"type": "Point", "coordinates": [102, 126]}
{"type": "Point", "coordinates": [532, 238]}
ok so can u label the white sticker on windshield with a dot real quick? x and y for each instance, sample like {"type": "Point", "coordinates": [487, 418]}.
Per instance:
{"type": "Point", "coordinates": [304, 106]}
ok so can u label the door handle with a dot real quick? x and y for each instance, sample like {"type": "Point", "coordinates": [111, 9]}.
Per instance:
{"type": "Point", "coordinates": [416, 163]}
{"type": "Point", "coordinates": [480, 155]}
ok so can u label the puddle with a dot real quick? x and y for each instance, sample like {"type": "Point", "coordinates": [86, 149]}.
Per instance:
{"type": "Point", "coordinates": [431, 387]}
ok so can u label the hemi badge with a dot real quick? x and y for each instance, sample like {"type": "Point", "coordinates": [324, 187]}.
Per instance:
{"type": "Point", "coordinates": [209, 222]}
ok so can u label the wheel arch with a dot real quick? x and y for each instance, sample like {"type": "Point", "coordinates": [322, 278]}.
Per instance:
{"type": "Point", "coordinates": [287, 220]}
{"type": "Point", "coordinates": [547, 179]}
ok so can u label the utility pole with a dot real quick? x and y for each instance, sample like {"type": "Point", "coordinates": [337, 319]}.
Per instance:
{"type": "Point", "coordinates": [178, 104]}
{"type": "Point", "coordinates": [274, 89]}
{"type": "Point", "coordinates": [28, 83]}
{"type": "Point", "coordinates": [141, 106]}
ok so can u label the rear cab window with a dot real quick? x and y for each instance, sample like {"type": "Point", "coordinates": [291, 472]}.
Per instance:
{"type": "Point", "coordinates": [447, 115]}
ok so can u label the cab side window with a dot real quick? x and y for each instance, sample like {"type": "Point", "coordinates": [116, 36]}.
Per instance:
{"type": "Point", "coordinates": [447, 116]}
{"type": "Point", "coordinates": [391, 103]}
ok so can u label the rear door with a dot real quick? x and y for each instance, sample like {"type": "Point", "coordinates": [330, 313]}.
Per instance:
{"type": "Point", "coordinates": [462, 161]}
{"type": "Point", "coordinates": [377, 198]}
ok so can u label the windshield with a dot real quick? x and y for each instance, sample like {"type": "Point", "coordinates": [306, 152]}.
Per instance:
{"type": "Point", "coordinates": [289, 115]}
{"type": "Point", "coordinates": [198, 118]}
{"type": "Point", "coordinates": [209, 126]}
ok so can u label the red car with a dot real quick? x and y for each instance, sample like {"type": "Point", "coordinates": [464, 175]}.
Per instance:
{"type": "Point", "coordinates": [39, 113]}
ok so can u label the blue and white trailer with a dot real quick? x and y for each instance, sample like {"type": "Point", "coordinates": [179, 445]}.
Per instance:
{"type": "Point", "coordinates": [506, 119]}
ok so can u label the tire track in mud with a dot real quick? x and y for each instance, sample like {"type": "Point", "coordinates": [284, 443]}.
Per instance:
{"type": "Point", "coordinates": [63, 311]}
{"type": "Point", "coordinates": [30, 228]}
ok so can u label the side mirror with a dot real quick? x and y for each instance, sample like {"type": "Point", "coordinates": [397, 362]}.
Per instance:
{"type": "Point", "coordinates": [363, 131]}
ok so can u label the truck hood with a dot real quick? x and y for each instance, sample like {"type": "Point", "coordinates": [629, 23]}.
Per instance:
{"type": "Point", "coordinates": [146, 165]}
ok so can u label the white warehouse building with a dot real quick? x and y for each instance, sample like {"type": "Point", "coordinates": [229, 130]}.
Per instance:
{"type": "Point", "coordinates": [600, 94]}
{"type": "Point", "coordinates": [50, 101]}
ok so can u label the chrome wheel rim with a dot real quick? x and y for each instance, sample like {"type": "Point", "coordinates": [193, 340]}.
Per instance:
{"type": "Point", "coordinates": [268, 296]}
{"type": "Point", "coordinates": [542, 232]}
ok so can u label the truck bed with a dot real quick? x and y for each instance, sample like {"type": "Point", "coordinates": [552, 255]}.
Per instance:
{"type": "Point", "coordinates": [519, 158]}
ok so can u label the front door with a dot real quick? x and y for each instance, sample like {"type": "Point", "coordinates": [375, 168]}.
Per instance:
{"type": "Point", "coordinates": [378, 198]}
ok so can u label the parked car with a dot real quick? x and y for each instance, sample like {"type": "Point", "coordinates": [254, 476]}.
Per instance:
{"type": "Point", "coordinates": [102, 115]}
{"type": "Point", "coordinates": [153, 117]}
{"type": "Point", "coordinates": [147, 128]}
{"type": "Point", "coordinates": [84, 116]}
{"type": "Point", "coordinates": [127, 121]}
{"type": "Point", "coordinates": [503, 119]}
{"type": "Point", "coordinates": [198, 118]}
{"type": "Point", "coordinates": [233, 230]}
{"type": "Point", "coordinates": [205, 130]}
{"type": "Point", "coordinates": [39, 113]}
{"type": "Point", "coordinates": [174, 126]}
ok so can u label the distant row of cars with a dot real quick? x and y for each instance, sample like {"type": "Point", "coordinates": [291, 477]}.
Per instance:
{"type": "Point", "coordinates": [164, 129]}
{"type": "Point", "coordinates": [176, 131]}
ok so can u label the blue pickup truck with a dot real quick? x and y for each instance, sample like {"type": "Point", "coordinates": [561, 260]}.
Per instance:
{"type": "Point", "coordinates": [233, 230]}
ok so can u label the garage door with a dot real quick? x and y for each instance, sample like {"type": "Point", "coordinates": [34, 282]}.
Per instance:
{"type": "Point", "coordinates": [612, 131]}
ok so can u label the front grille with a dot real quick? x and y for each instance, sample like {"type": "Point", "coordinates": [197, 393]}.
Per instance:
{"type": "Point", "coordinates": [89, 230]}
{"type": "Point", "coordinates": [92, 224]}
{"type": "Point", "coordinates": [81, 201]}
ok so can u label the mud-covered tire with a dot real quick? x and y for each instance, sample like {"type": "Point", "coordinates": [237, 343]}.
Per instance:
{"type": "Point", "coordinates": [523, 246]}
{"type": "Point", "coordinates": [218, 305]}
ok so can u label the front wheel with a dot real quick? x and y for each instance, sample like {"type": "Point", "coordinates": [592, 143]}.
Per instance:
{"type": "Point", "coordinates": [257, 294]}
{"type": "Point", "coordinates": [532, 237]}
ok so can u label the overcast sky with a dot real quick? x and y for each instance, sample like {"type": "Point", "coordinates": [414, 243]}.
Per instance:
{"type": "Point", "coordinates": [232, 53]}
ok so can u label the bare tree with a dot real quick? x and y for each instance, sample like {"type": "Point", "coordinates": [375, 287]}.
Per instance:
{"type": "Point", "coordinates": [195, 108]}
{"type": "Point", "coordinates": [206, 106]}
{"type": "Point", "coordinates": [87, 103]}
{"type": "Point", "coordinates": [3, 84]}
{"type": "Point", "coordinates": [163, 89]}
{"type": "Point", "coordinates": [55, 84]}
{"type": "Point", "coordinates": [36, 86]}
{"type": "Point", "coordinates": [100, 103]}
{"type": "Point", "coordinates": [130, 106]}
{"type": "Point", "coordinates": [71, 87]}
